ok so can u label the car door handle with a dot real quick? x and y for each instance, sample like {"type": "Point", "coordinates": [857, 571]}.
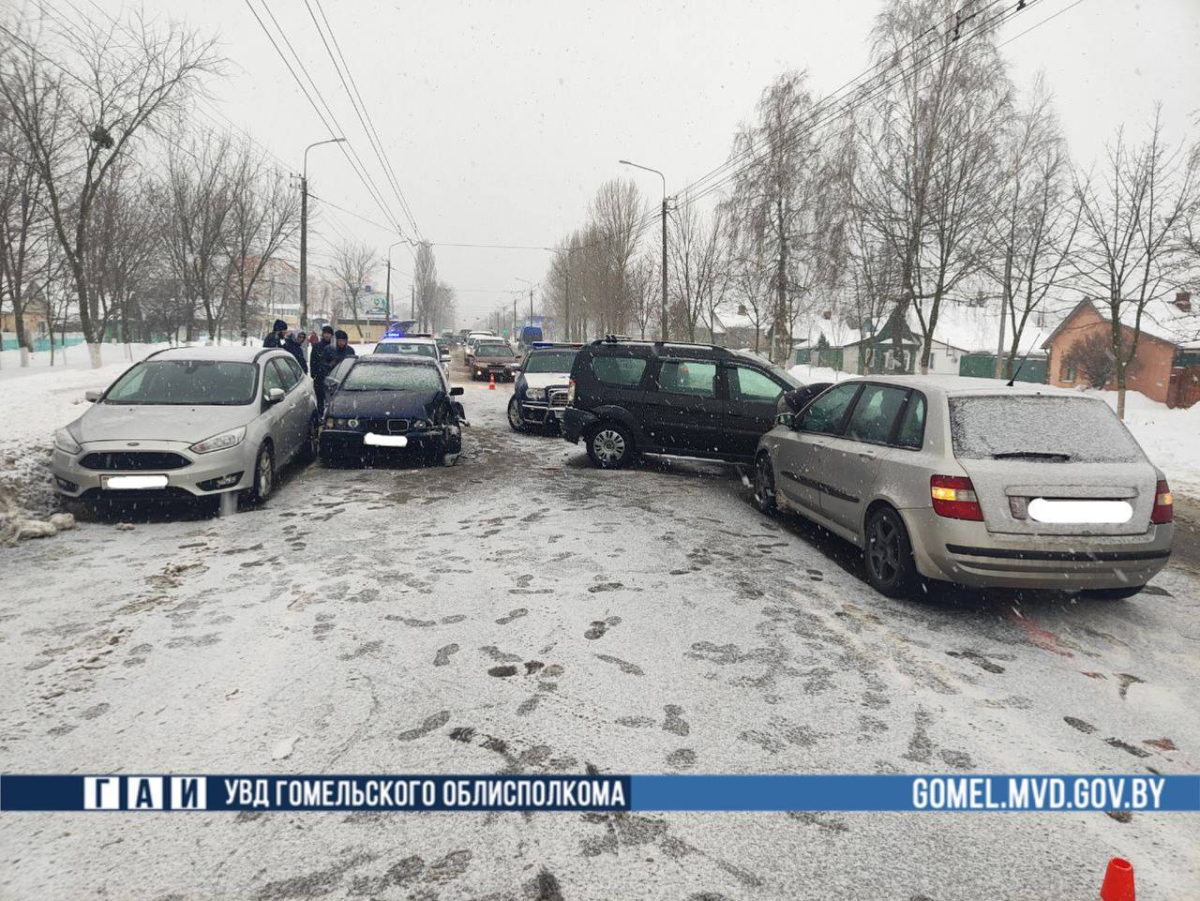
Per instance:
{"type": "Point", "coordinates": [867, 455]}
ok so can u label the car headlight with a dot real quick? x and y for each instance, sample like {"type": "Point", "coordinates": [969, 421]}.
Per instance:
{"type": "Point", "coordinates": [65, 443]}
{"type": "Point", "coordinates": [337, 422]}
{"type": "Point", "coordinates": [419, 424]}
{"type": "Point", "coordinates": [223, 441]}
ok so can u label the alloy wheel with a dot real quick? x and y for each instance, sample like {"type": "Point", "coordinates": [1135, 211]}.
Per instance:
{"type": "Point", "coordinates": [883, 549]}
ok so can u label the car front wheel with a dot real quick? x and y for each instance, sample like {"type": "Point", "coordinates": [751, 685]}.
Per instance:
{"type": "Point", "coordinates": [610, 446]}
{"type": "Point", "coordinates": [891, 569]}
{"type": "Point", "coordinates": [514, 415]}
{"type": "Point", "coordinates": [264, 474]}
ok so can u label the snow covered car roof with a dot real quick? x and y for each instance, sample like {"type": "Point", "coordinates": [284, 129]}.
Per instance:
{"type": "Point", "coordinates": [228, 354]}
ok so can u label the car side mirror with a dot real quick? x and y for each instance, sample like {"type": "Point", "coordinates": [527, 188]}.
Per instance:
{"type": "Point", "coordinates": [92, 396]}
{"type": "Point", "coordinates": [457, 391]}
{"type": "Point", "coordinates": [786, 419]}
{"type": "Point", "coordinates": [274, 395]}
{"type": "Point", "coordinates": [331, 384]}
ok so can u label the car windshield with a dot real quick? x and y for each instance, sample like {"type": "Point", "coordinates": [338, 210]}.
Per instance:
{"type": "Point", "coordinates": [408, 348]}
{"type": "Point", "coordinates": [215, 383]}
{"type": "Point", "coordinates": [551, 361]}
{"type": "Point", "coordinates": [392, 377]}
{"type": "Point", "coordinates": [1041, 428]}
{"type": "Point", "coordinates": [493, 350]}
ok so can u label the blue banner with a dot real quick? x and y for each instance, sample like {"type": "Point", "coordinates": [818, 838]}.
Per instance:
{"type": "Point", "coordinates": [957, 793]}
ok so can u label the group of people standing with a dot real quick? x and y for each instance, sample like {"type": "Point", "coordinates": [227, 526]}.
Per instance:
{"type": "Point", "coordinates": [324, 352]}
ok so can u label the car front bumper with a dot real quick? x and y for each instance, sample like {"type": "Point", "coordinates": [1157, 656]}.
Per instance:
{"type": "Point", "coordinates": [341, 443]}
{"type": "Point", "coordinates": [539, 412]}
{"type": "Point", "coordinates": [967, 553]}
{"type": "Point", "coordinates": [575, 422]}
{"type": "Point", "coordinates": [204, 475]}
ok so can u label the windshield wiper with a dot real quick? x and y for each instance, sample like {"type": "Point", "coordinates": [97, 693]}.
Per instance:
{"type": "Point", "coordinates": [1038, 455]}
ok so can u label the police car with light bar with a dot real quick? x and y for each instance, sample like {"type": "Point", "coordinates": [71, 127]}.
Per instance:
{"type": "Point", "coordinates": [540, 387]}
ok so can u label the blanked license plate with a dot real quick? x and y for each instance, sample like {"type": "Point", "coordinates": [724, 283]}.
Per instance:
{"type": "Point", "coordinates": [385, 440]}
{"type": "Point", "coordinates": [1079, 512]}
{"type": "Point", "coordinates": [132, 483]}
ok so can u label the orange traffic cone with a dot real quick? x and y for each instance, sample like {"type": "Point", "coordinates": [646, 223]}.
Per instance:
{"type": "Point", "coordinates": [492, 382]}
{"type": "Point", "coordinates": [1118, 881]}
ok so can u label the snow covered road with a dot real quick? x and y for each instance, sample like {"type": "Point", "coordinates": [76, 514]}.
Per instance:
{"type": "Point", "coordinates": [522, 612]}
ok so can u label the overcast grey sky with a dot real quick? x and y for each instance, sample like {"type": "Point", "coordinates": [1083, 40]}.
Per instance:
{"type": "Point", "coordinates": [502, 118]}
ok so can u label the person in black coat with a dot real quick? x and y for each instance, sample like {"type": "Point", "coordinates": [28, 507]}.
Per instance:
{"type": "Point", "coordinates": [275, 339]}
{"type": "Point", "coordinates": [294, 345]}
{"type": "Point", "coordinates": [321, 363]}
{"type": "Point", "coordinates": [341, 348]}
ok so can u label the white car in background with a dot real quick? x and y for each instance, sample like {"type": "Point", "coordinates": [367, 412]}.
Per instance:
{"type": "Point", "coordinates": [415, 346]}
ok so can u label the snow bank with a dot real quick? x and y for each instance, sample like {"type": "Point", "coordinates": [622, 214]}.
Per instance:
{"type": "Point", "coordinates": [1167, 436]}
{"type": "Point", "coordinates": [809, 374]}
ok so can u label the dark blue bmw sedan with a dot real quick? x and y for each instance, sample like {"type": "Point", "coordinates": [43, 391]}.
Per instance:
{"type": "Point", "coordinates": [391, 403]}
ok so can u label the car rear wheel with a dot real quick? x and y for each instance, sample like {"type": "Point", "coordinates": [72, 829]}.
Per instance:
{"type": "Point", "coordinates": [264, 475]}
{"type": "Point", "coordinates": [514, 415]}
{"type": "Point", "coordinates": [887, 550]}
{"type": "Point", "coordinates": [312, 443]}
{"type": "Point", "coordinates": [610, 446]}
{"type": "Point", "coordinates": [764, 485]}
{"type": "Point", "coordinates": [1111, 594]}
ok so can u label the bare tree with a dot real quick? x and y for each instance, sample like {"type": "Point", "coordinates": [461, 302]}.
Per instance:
{"type": "Point", "coordinates": [1036, 221]}
{"type": "Point", "coordinates": [121, 255]}
{"type": "Point", "coordinates": [1093, 356]}
{"type": "Point", "coordinates": [696, 265]}
{"type": "Point", "coordinates": [927, 138]}
{"type": "Point", "coordinates": [353, 263]}
{"type": "Point", "coordinates": [23, 235]}
{"type": "Point", "coordinates": [199, 195]}
{"type": "Point", "coordinates": [645, 282]}
{"type": "Point", "coordinates": [79, 114]}
{"type": "Point", "coordinates": [771, 195]}
{"type": "Point", "coordinates": [1130, 254]}
{"type": "Point", "coordinates": [425, 282]}
{"type": "Point", "coordinates": [264, 217]}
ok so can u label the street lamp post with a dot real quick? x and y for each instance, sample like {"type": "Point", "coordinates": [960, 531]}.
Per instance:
{"type": "Point", "coordinates": [664, 239]}
{"type": "Point", "coordinates": [304, 230]}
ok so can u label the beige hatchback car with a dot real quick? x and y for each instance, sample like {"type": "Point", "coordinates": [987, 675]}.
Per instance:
{"type": "Point", "coordinates": [973, 482]}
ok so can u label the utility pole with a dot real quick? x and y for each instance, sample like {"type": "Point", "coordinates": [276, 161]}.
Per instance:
{"type": "Point", "coordinates": [389, 281]}
{"type": "Point", "coordinates": [412, 313]}
{"type": "Point", "coordinates": [664, 262]}
{"type": "Point", "coordinates": [304, 230]}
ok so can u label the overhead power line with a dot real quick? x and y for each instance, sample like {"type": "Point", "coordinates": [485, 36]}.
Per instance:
{"type": "Point", "coordinates": [360, 109]}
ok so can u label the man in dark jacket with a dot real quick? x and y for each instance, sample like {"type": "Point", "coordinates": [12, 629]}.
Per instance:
{"type": "Point", "coordinates": [321, 363]}
{"type": "Point", "coordinates": [341, 348]}
{"type": "Point", "coordinates": [275, 339]}
{"type": "Point", "coordinates": [293, 345]}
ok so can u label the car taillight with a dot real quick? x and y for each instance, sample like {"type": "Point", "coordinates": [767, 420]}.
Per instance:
{"type": "Point", "coordinates": [1164, 507]}
{"type": "Point", "coordinates": [954, 497]}
{"type": "Point", "coordinates": [571, 392]}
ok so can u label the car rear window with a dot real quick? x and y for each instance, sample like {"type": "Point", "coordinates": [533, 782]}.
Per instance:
{"type": "Point", "coordinates": [1039, 426]}
{"type": "Point", "coordinates": [625, 372]}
